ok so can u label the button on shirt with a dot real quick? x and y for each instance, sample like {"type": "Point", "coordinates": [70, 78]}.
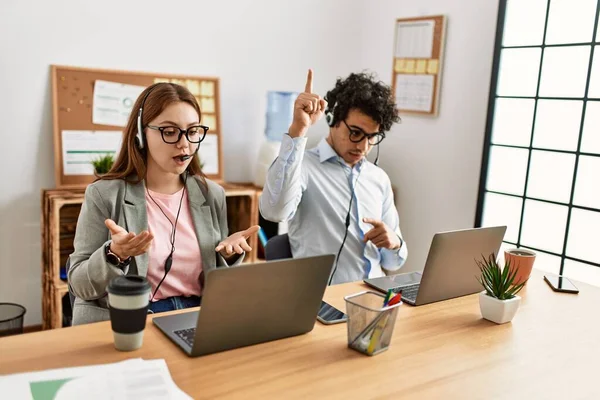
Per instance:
{"type": "Point", "coordinates": [312, 191]}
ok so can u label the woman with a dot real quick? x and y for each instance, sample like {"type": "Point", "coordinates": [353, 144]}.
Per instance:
{"type": "Point", "coordinates": [154, 214]}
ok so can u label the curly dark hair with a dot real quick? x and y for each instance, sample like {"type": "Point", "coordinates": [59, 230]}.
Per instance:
{"type": "Point", "coordinates": [363, 92]}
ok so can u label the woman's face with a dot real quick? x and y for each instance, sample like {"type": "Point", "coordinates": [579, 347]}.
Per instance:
{"type": "Point", "coordinates": [167, 157]}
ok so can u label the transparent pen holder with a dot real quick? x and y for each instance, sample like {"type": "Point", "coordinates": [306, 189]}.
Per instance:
{"type": "Point", "coordinates": [370, 325]}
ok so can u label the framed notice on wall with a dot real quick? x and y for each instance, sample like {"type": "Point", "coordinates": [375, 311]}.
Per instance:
{"type": "Point", "coordinates": [418, 51]}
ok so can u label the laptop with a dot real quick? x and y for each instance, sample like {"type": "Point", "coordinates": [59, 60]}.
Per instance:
{"type": "Point", "coordinates": [250, 304]}
{"type": "Point", "coordinates": [450, 270]}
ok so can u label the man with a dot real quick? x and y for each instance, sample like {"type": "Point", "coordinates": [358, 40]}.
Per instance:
{"type": "Point", "coordinates": [336, 201]}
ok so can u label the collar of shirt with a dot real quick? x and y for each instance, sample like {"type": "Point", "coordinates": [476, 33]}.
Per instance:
{"type": "Point", "coordinates": [326, 153]}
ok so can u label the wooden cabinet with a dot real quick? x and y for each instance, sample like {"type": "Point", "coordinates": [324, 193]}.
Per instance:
{"type": "Point", "coordinates": [60, 210]}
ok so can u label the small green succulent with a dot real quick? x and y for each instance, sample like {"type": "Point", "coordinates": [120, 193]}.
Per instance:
{"type": "Point", "coordinates": [497, 281]}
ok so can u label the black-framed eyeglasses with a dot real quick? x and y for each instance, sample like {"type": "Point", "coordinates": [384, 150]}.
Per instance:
{"type": "Point", "coordinates": [357, 136]}
{"type": "Point", "coordinates": [172, 134]}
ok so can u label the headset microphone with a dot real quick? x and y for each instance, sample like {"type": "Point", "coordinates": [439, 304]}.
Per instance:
{"type": "Point", "coordinates": [188, 156]}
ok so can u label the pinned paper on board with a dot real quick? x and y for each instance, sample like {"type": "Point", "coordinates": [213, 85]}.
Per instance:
{"type": "Point", "coordinates": [414, 92]}
{"type": "Point", "coordinates": [410, 66]}
{"type": "Point", "coordinates": [207, 105]}
{"type": "Point", "coordinates": [414, 39]}
{"type": "Point", "coordinates": [400, 65]}
{"type": "Point", "coordinates": [113, 101]}
{"type": "Point", "coordinates": [432, 67]}
{"type": "Point", "coordinates": [210, 121]}
{"type": "Point", "coordinates": [80, 148]}
{"type": "Point", "coordinates": [209, 154]}
{"type": "Point", "coordinates": [207, 89]}
{"type": "Point", "coordinates": [193, 86]}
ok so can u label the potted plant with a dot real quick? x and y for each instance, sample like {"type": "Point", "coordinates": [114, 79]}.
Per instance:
{"type": "Point", "coordinates": [103, 164]}
{"type": "Point", "coordinates": [499, 301]}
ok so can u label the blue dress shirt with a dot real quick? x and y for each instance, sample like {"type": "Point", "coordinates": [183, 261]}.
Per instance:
{"type": "Point", "coordinates": [312, 191]}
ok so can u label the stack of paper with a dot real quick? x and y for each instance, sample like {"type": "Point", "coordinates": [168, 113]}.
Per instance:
{"type": "Point", "coordinates": [130, 379]}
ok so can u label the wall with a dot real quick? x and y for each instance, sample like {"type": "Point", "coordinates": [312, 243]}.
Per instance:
{"type": "Point", "coordinates": [253, 47]}
{"type": "Point", "coordinates": [435, 162]}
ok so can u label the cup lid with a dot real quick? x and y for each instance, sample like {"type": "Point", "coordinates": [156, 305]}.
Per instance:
{"type": "Point", "coordinates": [129, 285]}
{"type": "Point", "coordinates": [517, 251]}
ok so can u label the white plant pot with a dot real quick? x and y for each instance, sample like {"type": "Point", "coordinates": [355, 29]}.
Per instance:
{"type": "Point", "coordinates": [498, 311]}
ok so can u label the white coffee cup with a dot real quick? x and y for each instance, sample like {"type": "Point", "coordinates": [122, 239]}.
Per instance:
{"type": "Point", "coordinates": [128, 297]}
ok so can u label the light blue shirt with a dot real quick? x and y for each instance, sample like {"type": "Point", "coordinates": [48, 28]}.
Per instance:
{"type": "Point", "coordinates": [312, 191]}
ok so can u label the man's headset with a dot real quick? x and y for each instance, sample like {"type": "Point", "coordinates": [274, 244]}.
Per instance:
{"type": "Point", "coordinates": [140, 131]}
{"type": "Point", "coordinates": [329, 116]}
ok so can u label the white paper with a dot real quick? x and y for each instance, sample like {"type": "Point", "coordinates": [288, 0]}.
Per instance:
{"type": "Point", "coordinates": [209, 154]}
{"type": "Point", "coordinates": [80, 148]}
{"type": "Point", "coordinates": [414, 39]}
{"type": "Point", "coordinates": [207, 105]}
{"type": "Point", "coordinates": [414, 92]}
{"type": "Point", "coordinates": [112, 102]}
{"type": "Point", "coordinates": [210, 121]}
{"type": "Point", "coordinates": [130, 379]}
{"type": "Point", "coordinates": [207, 88]}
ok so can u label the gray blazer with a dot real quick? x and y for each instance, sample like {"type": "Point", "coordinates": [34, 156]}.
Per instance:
{"type": "Point", "coordinates": [125, 203]}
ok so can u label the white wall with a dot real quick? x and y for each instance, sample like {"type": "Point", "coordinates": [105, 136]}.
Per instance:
{"type": "Point", "coordinates": [253, 47]}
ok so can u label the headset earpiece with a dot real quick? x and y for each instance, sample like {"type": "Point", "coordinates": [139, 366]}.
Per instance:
{"type": "Point", "coordinates": [329, 116]}
{"type": "Point", "coordinates": [140, 131]}
{"type": "Point", "coordinates": [140, 135]}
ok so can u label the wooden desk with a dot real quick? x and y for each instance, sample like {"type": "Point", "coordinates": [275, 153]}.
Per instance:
{"type": "Point", "coordinates": [441, 350]}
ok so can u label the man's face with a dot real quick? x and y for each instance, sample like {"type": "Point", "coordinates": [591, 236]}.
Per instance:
{"type": "Point", "coordinates": [355, 125]}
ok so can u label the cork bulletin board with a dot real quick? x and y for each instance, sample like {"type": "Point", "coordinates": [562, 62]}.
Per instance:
{"type": "Point", "coordinates": [417, 65]}
{"type": "Point", "coordinates": [79, 124]}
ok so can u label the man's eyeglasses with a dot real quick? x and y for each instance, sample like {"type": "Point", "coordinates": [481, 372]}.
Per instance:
{"type": "Point", "coordinates": [357, 136]}
{"type": "Point", "coordinates": [172, 134]}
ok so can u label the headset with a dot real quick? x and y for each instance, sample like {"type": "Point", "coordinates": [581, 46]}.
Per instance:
{"type": "Point", "coordinates": [329, 116]}
{"type": "Point", "coordinates": [140, 132]}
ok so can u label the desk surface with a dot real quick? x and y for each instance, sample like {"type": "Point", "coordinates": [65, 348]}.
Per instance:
{"type": "Point", "coordinates": [550, 350]}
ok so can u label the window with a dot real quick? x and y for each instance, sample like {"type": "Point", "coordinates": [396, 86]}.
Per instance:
{"type": "Point", "coordinates": [540, 173]}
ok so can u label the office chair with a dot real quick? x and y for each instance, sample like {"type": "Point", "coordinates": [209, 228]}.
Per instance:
{"type": "Point", "coordinates": [278, 247]}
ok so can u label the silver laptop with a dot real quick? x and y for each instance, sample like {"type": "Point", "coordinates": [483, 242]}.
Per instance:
{"type": "Point", "coordinates": [450, 270]}
{"type": "Point", "coordinates": [250, 304]}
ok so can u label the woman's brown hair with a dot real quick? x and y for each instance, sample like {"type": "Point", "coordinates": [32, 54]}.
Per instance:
{"type": "Point", "coordinates": [131, 163]}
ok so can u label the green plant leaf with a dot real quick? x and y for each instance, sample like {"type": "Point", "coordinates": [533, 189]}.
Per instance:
{"type": "Point", "coordinates": [496, 281]}
{"type": "Point", "coordinates": [103, 164]}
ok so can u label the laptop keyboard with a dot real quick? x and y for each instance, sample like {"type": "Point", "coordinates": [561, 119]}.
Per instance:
{"type": "Point", "coordinates": [410, 293]}
{"type": "Point", "coordinates": [187, 335]}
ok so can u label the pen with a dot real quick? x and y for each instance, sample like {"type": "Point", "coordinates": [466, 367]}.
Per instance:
{"type": "Point", "coordinates": [362, 338]}
{"type": "Point", "coordinates": [262, 237]}
{"type": "Point", "coordinates": [382, 322]}
{"type": "Point", "coordinates": [388, 297]}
